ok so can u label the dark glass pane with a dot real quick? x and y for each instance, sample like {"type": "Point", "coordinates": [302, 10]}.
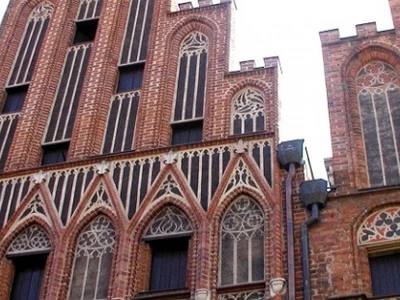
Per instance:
{"type": "Point", "coordinates": [169, 264]}
{"type": "Point", "coordinates": [28, 277]}
{"type": "Point", "coordinates": [385, 273]}
{"type": "Point", "coordinates": [85, 31]}
{"type": "Point", "coordinates": [130, 78]}
{"type": "Point", "coordinates": [53, 154]}
{"type": "Point", "coordinates": [188, 132]}
{"type": "Point", "coordinates": [15, 99]}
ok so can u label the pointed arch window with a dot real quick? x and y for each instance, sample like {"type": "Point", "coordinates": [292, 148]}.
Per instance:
{"type": "Point", "coordinates": [21, 75]}
{"type": "Point", "coordinates": [378, 95]}
{"type": "Point", "coordinates": [168, 236]}
{"type": "Point", "coordinates": [28, 253]}
{"type": "Point", "coordinates": [379, 234]}
{"type": "Point", "coordinates": [31, 42]}
{"type": "Point", "coordinates": [93, 261]}
{"type": "Point", "coordinates": [190, 89]}
{"type": "Point", "coordinates": [248, 112]}
{"type": "Point", "coordinates": [242, 243]}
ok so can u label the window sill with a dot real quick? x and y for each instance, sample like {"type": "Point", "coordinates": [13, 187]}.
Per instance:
{"type": "Point", "coordinates": [164, 295]}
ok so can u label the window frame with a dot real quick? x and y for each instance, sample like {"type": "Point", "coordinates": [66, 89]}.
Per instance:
{"type": "Point", "coordinates": [55, 147]}
{"type": "Point", "coordinates": [85, 31]}
{"type": "Point", "coordinates": [187, 127]}
{"type": "Point", "coordinates": [21, 91]}
{"type": "Point", "coordinates": [134, 72]}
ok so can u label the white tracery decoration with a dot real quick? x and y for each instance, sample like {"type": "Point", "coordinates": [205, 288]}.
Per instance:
{"type": "Point", "coordinates": [241, 257]}
{"type": "Point", "coordinates": [34, 207]}
{"type": "Point", "coordinates": [168, 187]}
{"type": "Point", "coordinates": [97, 239]}
{"type": "Point", "coordinates": [42, 11]}
{"type": "Point", "coordinates": [169, 221]}
{"type": "Point", "coordinates": [379, 103]}
{"type": "Point", "coordinates": [194, 44]}
{"type": "Point", "coordinates": [381, 226]}
{"type": "Point", "coordinates": [99, 198]}
{"type": "Point", "coordinates": [250, 295]}
{"type": "Point", "coordinates": [93, 261]}
{"type": "Point", "coordinates": [32, 239]}
{"type": "Point", "coordinates": [376, 76]}
{"type": "Point", "coordinates": [248, 105]}
{"type": "Point", "coordinates": [243, 220]}
{"type": "Point", "coordinates": [241, 176]}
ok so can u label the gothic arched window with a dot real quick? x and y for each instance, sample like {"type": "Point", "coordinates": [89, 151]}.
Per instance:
{"type": "Point", "coordinates": [248, 112]}
{"type": "Point", "coordinates": [379, 103]}
{"type": "Point", "coordinates": [30, 44]}
{"type": "Point", "coordinates": [28, 252]}
{"type": "Point", "coordinates": [242, 243]}
{"type": "Point", "coordinates": [93, 261]}
{"type": "Point", "coordinates": [190, 89]}
{"type": "Point", "coordinates": [380, 233]}
{"type": "Point", "coordinates": [168, 237]}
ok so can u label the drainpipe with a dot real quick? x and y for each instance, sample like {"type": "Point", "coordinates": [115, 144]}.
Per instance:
{"type": "Point", "coordinates": [290, 155]}
{"type": "Point", "coordinates": [313, 194]}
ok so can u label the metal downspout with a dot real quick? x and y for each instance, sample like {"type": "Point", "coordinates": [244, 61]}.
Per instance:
{"type": "Point", "coordinates": [305, 249]}
{"type": "Point", "coordinates": [290, 232]}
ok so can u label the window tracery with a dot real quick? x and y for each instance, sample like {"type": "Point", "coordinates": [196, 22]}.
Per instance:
{"type": "Point", "coordinates": [242, 243]}
{"type": "Point", "coordinates": [32, 239]}
{"type": "Point", "coordinates": [381, 226]}
{"type": "Point", "coordinates": [248, 112]}
{"type": "Point", "coordinates": [93, 261]}
{"type": "Point", "coordinates": [169, 221]}
{"type": "Point", "coordinates": [379, 103]}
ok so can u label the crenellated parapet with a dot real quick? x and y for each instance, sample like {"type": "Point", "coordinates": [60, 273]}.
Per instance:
{"type": "Point", "coordinates": [199, 4]}
{"type": "Point", "coordinates": [250, 65]}
{"type": "Point", "coordinates": [364, 31]}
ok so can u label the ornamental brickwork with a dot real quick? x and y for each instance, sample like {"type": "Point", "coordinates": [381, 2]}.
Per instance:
{"type": "Point", "coordinates": [131, 154]}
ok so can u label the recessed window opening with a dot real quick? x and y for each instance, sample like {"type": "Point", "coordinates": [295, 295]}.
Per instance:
{"type": "Point", "coordinates": [130, 77]}
{"type": "Point", "coordinates": [385, 275]}
{"type": "Point", "coordinates": [85, 31]}
{"type": "Point", "coordinates": [15, 99]}
{"type": "Point", "coordinates": [187, 132]}
{"type": "Point", "coordinates": [169, 264]}
{"type": "Point", "coordinates": [55, 153]}
{"type": "Point", "coordinates": [28, 276]}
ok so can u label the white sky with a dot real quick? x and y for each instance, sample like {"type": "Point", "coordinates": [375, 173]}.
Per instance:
{"type": "Point", "coordinates": [290, 29]}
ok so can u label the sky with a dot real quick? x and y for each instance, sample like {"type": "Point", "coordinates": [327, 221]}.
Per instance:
{"type": "Point", "coordinates": [290, 29]}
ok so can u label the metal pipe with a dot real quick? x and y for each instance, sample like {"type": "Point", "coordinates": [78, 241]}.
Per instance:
{"type": "Point", "coordinates": [290, 232]}
{"type": "Point", "coordinates": [305, 250]}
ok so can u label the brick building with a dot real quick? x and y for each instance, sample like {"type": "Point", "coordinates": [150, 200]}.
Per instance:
{"type": "Point", "coordinates": [359, 256]}
{"type": "Point", "coordinates": [135, 165]}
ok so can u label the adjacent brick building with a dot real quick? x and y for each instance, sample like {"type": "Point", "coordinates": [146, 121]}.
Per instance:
{"type": "Point", "coordinates": [355, 246]}
{"type": "Point", "coordinates": [135, 165]}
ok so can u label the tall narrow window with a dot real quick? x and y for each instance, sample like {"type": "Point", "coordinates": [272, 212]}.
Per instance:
{"type": "Point", "coordinates": [137, 32]}
{"type": "Point", "coordinates": [29, 48]}
{"type": "Point", "coordinates": [93, 261]}
{"type": "Point", "coordinates": [29, 255]}
{"type": "Point", "coordinates": [168, 235]}
{"type": "Point", "coordinates": [379, 102]}
{"type": "Point", "coordinates": [242, 243]}
{"type": "Point", "coordinates": [21, 75]}
{"type": "Point", "coordinates": [15, 99]}
{"type": "Point", "coordinates": [248, 112]}
{"type": "Point", "coordinates": [65, 106]}
{"type": "Point", "coordinates": [190, 89]}
{"type": "Point", "coordinates": [119, 135]}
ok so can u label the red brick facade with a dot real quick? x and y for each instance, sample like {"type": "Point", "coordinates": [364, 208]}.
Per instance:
{"type": "Point", "coordinates": [340, 257]}
{"type": "Point", "coordinates": [131, 188]}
